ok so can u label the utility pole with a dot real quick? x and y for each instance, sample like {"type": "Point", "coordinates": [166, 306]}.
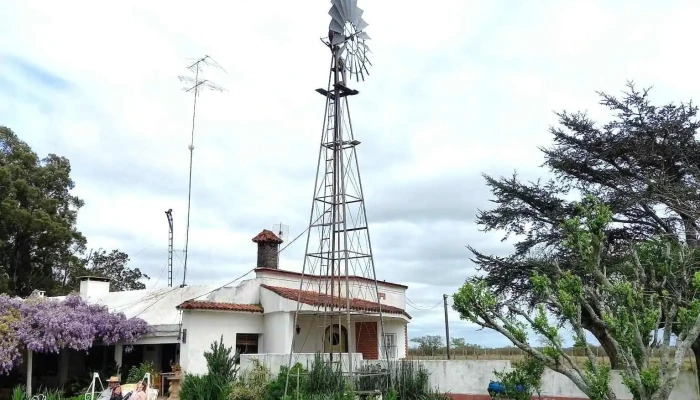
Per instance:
{"type": "Point", "coordinates": [447, 326]}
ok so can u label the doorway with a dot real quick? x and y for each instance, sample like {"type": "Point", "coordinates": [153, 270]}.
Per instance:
{"type": "Point", "coordinates": [335, 339]}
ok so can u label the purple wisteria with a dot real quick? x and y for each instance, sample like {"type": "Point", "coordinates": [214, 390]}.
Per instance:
{"type": "Point", "coordinates": [47, 325]}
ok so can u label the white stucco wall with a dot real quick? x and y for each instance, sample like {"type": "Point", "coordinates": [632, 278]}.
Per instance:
{"type": "Point", "coordinates": [278, 332]}
{"type": "Point", "coordinates": [394, 295]}
{"type": "Point", "coordinates": [275, 361]}
{"type": "Point", "coordinates": [473, 376]}
{"type": "Point", "coordinates": [396, 327]}
{"type": "Point", "coordinates": [206, 327]}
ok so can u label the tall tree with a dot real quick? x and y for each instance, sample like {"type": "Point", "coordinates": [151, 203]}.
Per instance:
{"type": "Point", "coordinates": [429, 344]}
{"type": "Point", "coordinates": [37, 216]}
{"type": "Point", "coordinates": [112, 265]}
{"type": "Point", "coordinates": [650, 295]}
{"type": "Point", "coordinates": [644, 164]}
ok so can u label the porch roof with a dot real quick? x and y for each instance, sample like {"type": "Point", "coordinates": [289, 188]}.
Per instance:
{"type": "Point", "coordinates": [155, 306]}
{"type": "Point", "coordinates": [321, 299]}
{"type": "Point", "coordinates": [219, 306]}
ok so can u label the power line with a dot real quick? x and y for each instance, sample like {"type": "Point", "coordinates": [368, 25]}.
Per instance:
{"type": "Point", "coordinates": [253, 269]}
{"type": "Point", "coordinates": [413, 305]}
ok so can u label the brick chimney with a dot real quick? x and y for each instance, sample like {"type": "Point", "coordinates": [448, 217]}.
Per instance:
{"type": "Point", "coordinates": [268, 249]}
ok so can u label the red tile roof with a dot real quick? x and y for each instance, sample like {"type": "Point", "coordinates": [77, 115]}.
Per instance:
{"type": "Point", "coordinates": [267, 236]}
{"type": "Point", "coordinates": [322, 299]}
{"type": "Point", "coordinates": [308, 276]}
{"type": "Point", "coordinates": [213, 305]}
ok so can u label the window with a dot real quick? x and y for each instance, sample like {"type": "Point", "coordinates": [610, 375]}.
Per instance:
{"type": "Point", "coordinates": [389, 345]}
{"type": "Point", "coordinates": [247, 343]}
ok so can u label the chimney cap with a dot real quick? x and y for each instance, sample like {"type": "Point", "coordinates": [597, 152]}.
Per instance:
{"type": "Point", "coordinates": [93, 278]}
{"type": "Point", "coordinates": [267, 236]}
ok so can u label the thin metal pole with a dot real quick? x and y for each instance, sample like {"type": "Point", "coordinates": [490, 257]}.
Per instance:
{"type": "Point", "coordinates": [338, 145]}
{"type": "Point", "coordinates": [308, 237]}
{"type": "Point", "coordinates": [189, 189]}
{"type": "Point", "coordinates": [447, 326]}
{"type": "Point", "coordinates": [29, 373]}
{"type": "Point", "coordinates": [369, 240]}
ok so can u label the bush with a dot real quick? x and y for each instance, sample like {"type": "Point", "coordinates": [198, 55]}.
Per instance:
{"type": "Point", "coordinates": [523, 380]}
{"type": "Point", "coordinates": [221, 362]}
{"type": "Point", "coordinates": [205, 387]}
{"type": "Point", "coordinates": [19, 393]}
{"type": "Point", "coordinates": [136, 373]}
{"type": "Point", "coordinates": [253, 384]}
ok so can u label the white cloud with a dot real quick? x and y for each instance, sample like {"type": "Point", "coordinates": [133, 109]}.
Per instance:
{"type": "Point", "coordinates": [457, 88]}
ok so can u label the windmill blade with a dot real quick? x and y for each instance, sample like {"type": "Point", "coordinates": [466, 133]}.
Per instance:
{"type": "Point", "coordinates": [347, 9]}
{"type": "Point", "coordinates": [336, 26]}
{"type": "Point", "coordinates": [338, 39]}
{"type": "Point", "coordinates": [339, 6]}
{"type": "Point", "coordinates": [363, 36]}
{"type": "Point", "coordinates": [357, 16]}
{"type": "Point", "coordinates": [360, 26]}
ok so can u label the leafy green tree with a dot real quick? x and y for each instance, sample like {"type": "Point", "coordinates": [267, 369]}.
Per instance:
{"type": "Point", "coordinates": [113, 265]}
{"type": "Point", "coordinates": [641, 301]}
{"type": "Point", "coordinates": [643, 164]}
{"type": "Point", "coordinates": [429, 344]}
{"type": "Point", "coordinates": [37, 216]}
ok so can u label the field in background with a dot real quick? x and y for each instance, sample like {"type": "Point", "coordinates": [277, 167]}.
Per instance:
{"type": "Point", "coordinates": [516, 354]}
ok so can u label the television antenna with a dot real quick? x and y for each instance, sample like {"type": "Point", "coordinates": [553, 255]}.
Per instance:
{"type": "Point", "coordinates": [341, 246]}
{"type": "Point", "coordinates": [195, 86]}
{"type": "Point", "coordinates": [281, 230]}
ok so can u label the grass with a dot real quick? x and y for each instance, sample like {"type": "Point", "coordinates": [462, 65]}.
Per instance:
{"type": "Point", "coordinates": [688, 362]}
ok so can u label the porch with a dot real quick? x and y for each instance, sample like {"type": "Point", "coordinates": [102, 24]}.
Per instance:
{"type": "Point", "coordinates": [72, 370]}
{"type": "Point", "coordinates": [363, 335]}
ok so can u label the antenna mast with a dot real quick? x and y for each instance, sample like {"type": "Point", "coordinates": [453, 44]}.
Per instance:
{"type": "Point", "coordinates": [341, 249]}
{"type": "Point", "coordinates": [169, 215]}
{"type": "Point", "coordinates": [195, 86]}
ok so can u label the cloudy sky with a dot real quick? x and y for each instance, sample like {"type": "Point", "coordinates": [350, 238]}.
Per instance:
{"type": "Point", "coordinates": [457, 88]}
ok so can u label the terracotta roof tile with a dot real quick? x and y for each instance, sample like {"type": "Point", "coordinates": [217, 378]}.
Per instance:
{"type": "Point", "coordinates": [267, 236]}
{"type": "Point", "coordinates": [321, 299]}
{"type": "Point", "coordinates": [213, 305]}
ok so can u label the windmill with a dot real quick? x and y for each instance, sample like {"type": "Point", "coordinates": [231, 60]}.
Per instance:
{"type": "Point", "coordinates": [338, 246]}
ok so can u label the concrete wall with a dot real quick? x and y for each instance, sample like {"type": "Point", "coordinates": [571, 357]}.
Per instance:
{"type": "Point", "coordinates": [206, 327]}
{"type": "Point", "coordinates": [469, 379]}
{"type": "Point", "coordinates": [275, 361]}
{"type": "Point", "coordinates": [472, 377]}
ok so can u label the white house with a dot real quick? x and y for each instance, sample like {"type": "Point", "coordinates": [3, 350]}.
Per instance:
{"type": "Point", "coordinates": [256, 316]}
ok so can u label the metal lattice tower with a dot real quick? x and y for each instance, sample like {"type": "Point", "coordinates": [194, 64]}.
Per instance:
{"type": "Point", "coordinates": [338, 248]}
{"type": "Point", "coordinates": [169, 215]}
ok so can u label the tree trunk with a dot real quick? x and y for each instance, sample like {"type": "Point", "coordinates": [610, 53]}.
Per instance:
{"type": "Point", "coordinates": [603, 339]}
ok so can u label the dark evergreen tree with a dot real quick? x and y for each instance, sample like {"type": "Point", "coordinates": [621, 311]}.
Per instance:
{"type": "Point", "coordinates": [644, 164]}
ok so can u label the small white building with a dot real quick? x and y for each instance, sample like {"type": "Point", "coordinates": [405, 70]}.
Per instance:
{"type": "Point", "coordinates": [255, 316]}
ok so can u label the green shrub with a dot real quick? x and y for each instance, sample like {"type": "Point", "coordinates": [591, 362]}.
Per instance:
{"type": "Point", "coordinates": [528, 373]}
{"type": "Point", "coordinates": [252, 385]}
{"type": "Point", "coordinates": [205, 387]}
{"type": "Point", "coordinates": [222, 361]}
{"type": "Point", "coordinates": [136, 373]}
{"type": "Point", "coordinates": [324, 378]}
{"type": "Point", "coordinates": [19, 393]}
{"type": "Point", "coordinates": [297, 378]}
